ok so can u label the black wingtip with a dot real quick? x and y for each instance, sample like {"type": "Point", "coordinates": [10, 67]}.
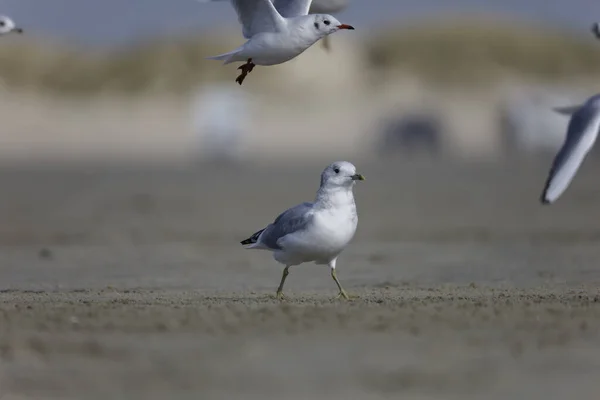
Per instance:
{"type": "Point", "coordinates": [543, 199]}
{"type": "Point", "coordinates": [252, 239]}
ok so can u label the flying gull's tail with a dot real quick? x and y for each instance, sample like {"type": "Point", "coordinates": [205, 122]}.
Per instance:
{"type": "Point", "coordinates": [225, 57]}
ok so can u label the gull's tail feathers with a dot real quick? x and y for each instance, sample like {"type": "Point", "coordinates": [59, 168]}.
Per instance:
{"type": "Point", "coordinates": [226, 57]}
{"type": "Point", "coordinates": [252, 241]}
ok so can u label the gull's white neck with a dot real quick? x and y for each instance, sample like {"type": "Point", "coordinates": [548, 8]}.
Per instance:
{"type": "Point", "coordinates": [303, 30]}
{"type": "Point", "coordinates": [334, 197]}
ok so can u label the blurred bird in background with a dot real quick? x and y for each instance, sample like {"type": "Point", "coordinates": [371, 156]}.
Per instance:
{"type": "Point", "coordinates": [7, 25]}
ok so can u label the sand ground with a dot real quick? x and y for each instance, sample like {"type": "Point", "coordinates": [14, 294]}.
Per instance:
{"type": "Point", "coordinates": [131, 284]}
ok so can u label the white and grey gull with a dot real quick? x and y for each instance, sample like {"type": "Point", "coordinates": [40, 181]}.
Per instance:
{"type": "Point", "coordinates": [277, 31]}
{"type": "Point", "coordinates": [314, 232]}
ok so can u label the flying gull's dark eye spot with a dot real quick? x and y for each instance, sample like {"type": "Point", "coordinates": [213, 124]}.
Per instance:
{"type": "Point", "coordinates": [326, 22]}
{"type": "Point", "coordinates": [2, 23]}
{"type": "Point", "coordinates": [336, 170]}
{"type": "Point", "coordinates": [317, 25]}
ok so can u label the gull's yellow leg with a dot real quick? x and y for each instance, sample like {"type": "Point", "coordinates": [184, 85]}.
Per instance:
{"type": "Point", "coordinates": [286, 272]}
{"type": "Point", "coordinates": [342, 291]}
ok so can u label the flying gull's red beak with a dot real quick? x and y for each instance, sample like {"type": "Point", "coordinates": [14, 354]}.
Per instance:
{"type": "Point", "coordinates": [344, 26]}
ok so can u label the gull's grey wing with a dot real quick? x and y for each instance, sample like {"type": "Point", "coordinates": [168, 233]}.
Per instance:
{"type": "Point", "coordinates": [581, 135]}
{"type": "Point", "coordinates": [256, 16]}
{"type": "Point", "coordinates": [327, 6]}
{"type": "Point", "coordinates": [292, 8]}
{"type": "Point", "coordinates": [292, 220]}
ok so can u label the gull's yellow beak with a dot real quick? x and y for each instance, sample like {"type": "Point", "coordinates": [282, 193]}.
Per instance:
{"type": "Point", "coordinates": [357, 177]}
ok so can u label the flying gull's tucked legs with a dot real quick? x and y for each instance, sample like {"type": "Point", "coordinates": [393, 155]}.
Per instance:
{"type": "Point", "coordinates": [314, 232]}
{"type": "Point", "coordinates": [246, 69]}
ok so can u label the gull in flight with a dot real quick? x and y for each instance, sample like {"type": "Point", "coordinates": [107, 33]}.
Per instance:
{"type": "Point", "coordinates": [7, 26]}
{"type": "Point", "coordinates": [277, 31]}
{"type": "Point", "coordinates": [314, 232]}
{"type": "Point", "coordinates": [581, 135]}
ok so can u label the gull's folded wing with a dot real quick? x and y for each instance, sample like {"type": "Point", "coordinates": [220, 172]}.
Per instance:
{"type": "Point", "coordinates": [290, 221]}
{"type": "Point", "coordinates": [581, 135]}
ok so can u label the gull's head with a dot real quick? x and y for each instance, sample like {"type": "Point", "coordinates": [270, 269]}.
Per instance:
{"type": "Point", "coordinates": [7, 25]}
{"type": "Point", "coordinates": [340, 174]}
{"type": "Point", "coordinates": [325, 24]}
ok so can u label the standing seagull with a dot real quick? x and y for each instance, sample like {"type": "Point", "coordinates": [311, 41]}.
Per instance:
{"type": "Point", "coordinates": [314, 232]}
{"type": "Point", "coordinates": [581, 135]}
{"type": "Point", "coordinates": [276, 31]}
{"type": "Point", "coordinates": [7, 26]}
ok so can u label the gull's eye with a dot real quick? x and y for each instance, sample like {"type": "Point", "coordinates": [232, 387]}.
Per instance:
{"type": "Point", "coordinates": [326, 22]}
{"type": "Point", "coordinates": [2, 23]}
{"type": "Point", "coordinates": [336, 170]}
{"type": "Point", "coordinates": [317, 25]}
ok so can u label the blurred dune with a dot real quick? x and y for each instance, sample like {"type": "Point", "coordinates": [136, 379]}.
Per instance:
{"type": "Point", "coordinates": [446, 50]}
{"type": "Point", "coordinates": [63, 102]}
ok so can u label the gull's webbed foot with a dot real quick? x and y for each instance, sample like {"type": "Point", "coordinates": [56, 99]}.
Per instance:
{"type": "Point", "coordinates": [343, 294]}
{"type": "Point", "coordinates": [279, 295]}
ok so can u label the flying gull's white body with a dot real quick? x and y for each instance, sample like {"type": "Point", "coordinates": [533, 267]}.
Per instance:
{"type": "Point", "coordinates": [581, 135]}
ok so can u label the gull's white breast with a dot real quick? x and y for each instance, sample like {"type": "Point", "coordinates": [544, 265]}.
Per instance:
{"type": "Point", "coordinates": [335, 227]}
{"type": "Point", "coordinates": [329, 233]}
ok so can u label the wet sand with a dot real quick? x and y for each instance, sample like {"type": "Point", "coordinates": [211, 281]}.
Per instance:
{"type": "Point", "coordinates": [132, 284]}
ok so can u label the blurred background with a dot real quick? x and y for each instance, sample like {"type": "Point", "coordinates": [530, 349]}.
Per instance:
{"type": "Point", "coordinates": [107, 81]}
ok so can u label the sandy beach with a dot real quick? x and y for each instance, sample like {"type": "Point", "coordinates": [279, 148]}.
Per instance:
{"type": "Point", "coordinates": [131, 284]}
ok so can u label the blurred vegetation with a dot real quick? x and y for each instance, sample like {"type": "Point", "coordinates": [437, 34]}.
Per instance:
{"type": "Point", "coordinates": [475, 50]}
{"type": "Point", "coordinates": [444, 51]}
